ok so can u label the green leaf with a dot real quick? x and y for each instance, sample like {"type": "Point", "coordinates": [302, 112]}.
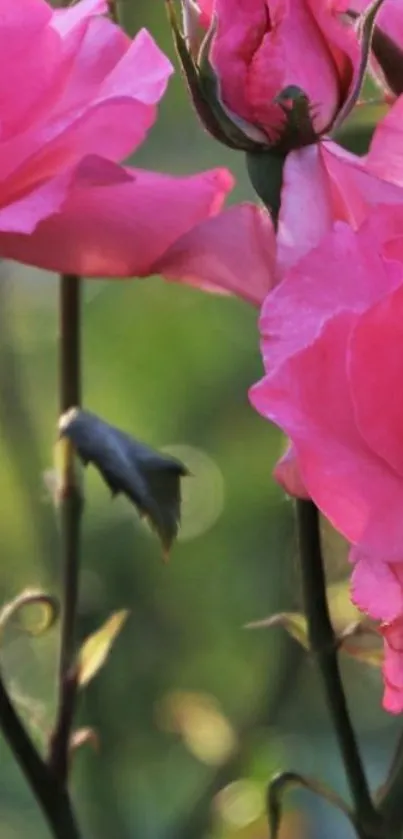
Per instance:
{"type": "Point", "coordinates": [192, 76]}
{"type": "Point", "coordinates": [285, 781]}
{"type": "Point", "coordinates": [373, 657]}
{"type": "Point", "coordinates": [362, 641]}
{"type": "Point", "coordinates": [149, 479]}
{"type": "Point", "coordinates": [49, 612]}
{"type": "Point", "coordinates": [265, 170]}
{"type": "Point", "coordinates": [293, 622]}
{"type": "Point", "coordinates": [96, 647]}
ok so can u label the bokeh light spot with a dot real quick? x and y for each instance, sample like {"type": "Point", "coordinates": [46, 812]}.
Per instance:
{"type": "Point", "coordinates": [203, 493]}
{"type": "Point", "coordinates": [198, 719]}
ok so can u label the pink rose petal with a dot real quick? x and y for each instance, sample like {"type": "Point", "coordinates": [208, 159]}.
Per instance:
{"type": "Point", "coordinates": [232, 252]}
{"type": "Point", "coordinates": [377, 587]}
{"type": "Point", "coordinates": [375, 368]}
{"type": "Point", "coordinates": [345, 272]}
{"type": "Point", "coordinates": [110, 230]}
{"type": "Point", "coordinates": [288, 475]}
{"type": "Point", "coordinates": [309, 398]}
{"type": "Point", "coordinates": [385, 157]}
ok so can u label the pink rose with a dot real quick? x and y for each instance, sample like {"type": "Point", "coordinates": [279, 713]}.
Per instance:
{"type": "Point", "coordinates": [322, 183]}
{"type": "Point", "coordinates": [86, 98]}
{"type": "Point", "coordinates": [263, 47]}
{"type": "Point", "coordinates": [332, 342]}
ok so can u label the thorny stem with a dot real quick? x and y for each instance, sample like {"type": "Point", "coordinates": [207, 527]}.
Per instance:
{"type": "Point", "coordinates": [71, 503]}
{"type": "Point", "coordinates": [323, 645]}
{"type": "Point", "coordinates": [50, 794]}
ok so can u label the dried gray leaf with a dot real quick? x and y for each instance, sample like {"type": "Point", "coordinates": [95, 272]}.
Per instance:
{"type": "Point", "coordinates": [149, 479]}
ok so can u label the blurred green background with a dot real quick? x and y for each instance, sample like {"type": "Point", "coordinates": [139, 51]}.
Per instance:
{"type": "Point", "coordinates": [193, 712]}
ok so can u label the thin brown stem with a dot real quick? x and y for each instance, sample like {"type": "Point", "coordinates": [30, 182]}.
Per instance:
{"type": "Point", "coordinates": [70, 503]}
{"type": "Point", "coordinates": [51, 795]}
{"type": "Point", "coordinates": [323, 645]}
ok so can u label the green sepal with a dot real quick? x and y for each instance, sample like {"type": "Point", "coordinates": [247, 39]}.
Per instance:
{"type": "Point", "coordinates": [265, 170]}
{"type": "Point", "coordinates": [297, 129]}
{"type": "Point", "coordinates": [365, 31]}
{"type": "Point", "coordinates": [203, 86]}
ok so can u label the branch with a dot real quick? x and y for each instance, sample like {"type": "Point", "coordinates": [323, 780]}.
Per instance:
{"type": "Point", "coordinates": [50, 795]}
{"type": "Point", "coordinates": [323, 645]}
{"type": "Point", "coordinates": [71, 504]}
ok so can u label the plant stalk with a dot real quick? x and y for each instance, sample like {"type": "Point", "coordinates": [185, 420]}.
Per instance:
{"type": "Point", "coordinates": [71, 505]}
{"type": "Point", "coordinates": [51, 795]}
{"type": "Point", "coordinates": [323, 644]}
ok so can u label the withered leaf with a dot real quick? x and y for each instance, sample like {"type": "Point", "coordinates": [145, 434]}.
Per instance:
{"type": "Point", "coordinates": [149, 479]}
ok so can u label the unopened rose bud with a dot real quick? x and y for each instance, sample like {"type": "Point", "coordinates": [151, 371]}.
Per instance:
{"type": "Point", "coordinates": [204, 85]}
{"type": "Point", "coordinates": [253, 53]}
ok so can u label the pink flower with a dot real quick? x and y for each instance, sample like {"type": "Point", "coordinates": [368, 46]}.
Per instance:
{"type": "Point", "coordinates": [239, 252]}
{"type": "Point", "coordinates": [263, 47]}
{"type": "Point", "coordinates": [369, 578]}
{"type": "Point", "coordinates": [235, 253]}
{"type": "Point", "coordinates": [324, 183]}
{"type": "Point", "coordinates": [332, 341]}
{"type": "Point", "coordinates": [86, 98]}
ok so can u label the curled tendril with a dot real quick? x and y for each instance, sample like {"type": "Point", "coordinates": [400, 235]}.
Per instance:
{"type": "Point", "coordinates": [31, 597]}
